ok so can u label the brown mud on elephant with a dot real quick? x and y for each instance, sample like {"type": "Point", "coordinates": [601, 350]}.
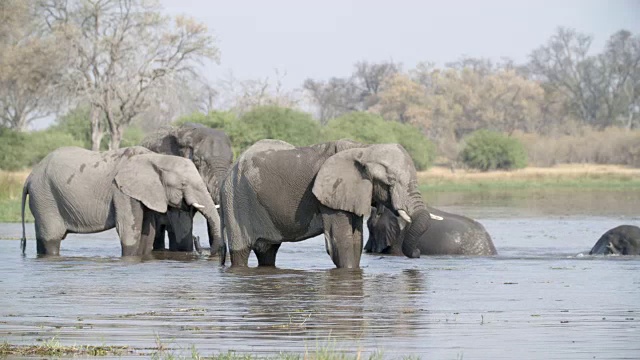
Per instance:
{"type": "Point", "coordinates": [277, 192]}
{"type": "Point", "coordinates": [74, 190]}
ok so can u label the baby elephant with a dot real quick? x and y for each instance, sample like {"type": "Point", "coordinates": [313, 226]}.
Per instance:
{"type": "Point", "coordinates": [621, 240]}
{"type": "Point", "coordinates": [434, 232]}
{"type": "Point", "coordinates": [74, 190]}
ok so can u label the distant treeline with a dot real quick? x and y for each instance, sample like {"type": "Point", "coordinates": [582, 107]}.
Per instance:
{"type": "Point", "coordinates": [107, 83]}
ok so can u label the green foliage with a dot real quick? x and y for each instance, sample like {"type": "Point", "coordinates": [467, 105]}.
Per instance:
{"type": "Point", "coordinates": [273, 122]}
{"type": "Point", "coordinates": [20, 150]}
{"type": "Point", "coordinates": [267, 122]}
{"type": "Point", "coordinates": [487, 150]}
{"type": "Point", "coordinates": [77, 124]}
{"type": "Point", "coordinates": [132, 136]}
{"type": "Point", "coordinates": [371, 128]}
{"type": "Point", "coordinates": [214, 119]}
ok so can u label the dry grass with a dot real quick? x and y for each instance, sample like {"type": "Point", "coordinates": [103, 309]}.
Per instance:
{"type": "Point", "coordinates": [559, 176]}
{"type": "Point", "coordinates": [609, 146]}
{"type": "Point", "coordinates": [528, 173]}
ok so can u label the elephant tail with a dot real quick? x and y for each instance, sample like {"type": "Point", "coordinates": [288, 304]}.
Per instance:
{"type": "Point", "coordinates": [25, 191]}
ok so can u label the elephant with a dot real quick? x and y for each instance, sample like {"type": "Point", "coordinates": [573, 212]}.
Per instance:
{"type": "Point", "coordinates": [74, 190]}
{"type": "Point", "coordinates": [210, 150]}
{"type": "Point", "coordinates": [621, 240]}
{"type": "Point", "coordinates": [433, 231]}
{"type": "Point", "coordinates": [276, 192]}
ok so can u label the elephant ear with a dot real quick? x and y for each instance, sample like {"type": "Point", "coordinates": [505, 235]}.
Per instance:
{"type": "Point", "coordinates": [342, 185]}
{"type": "Point", "coordinates": [140, 179]}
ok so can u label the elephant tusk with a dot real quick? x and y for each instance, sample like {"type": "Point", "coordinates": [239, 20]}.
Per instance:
{"type": "Point", "coordinates": [403, 214]}
{"type": "Point", "coordinates": [198, 206]}
{"type": "Point", "coordinates": [436, 217]}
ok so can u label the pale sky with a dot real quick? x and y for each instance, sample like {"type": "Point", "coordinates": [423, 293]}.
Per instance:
{"type": "Point", "coordinates": [321, 39]}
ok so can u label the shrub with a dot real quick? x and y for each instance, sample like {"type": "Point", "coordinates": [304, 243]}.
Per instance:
{"type": "Point", "coordinates": [214, 119]}
{"type": "Point", "coordinates": [266, 122]}
{"type": "Point", "coordinates": [22, 150]}
{"type": "Point", "coordinates": [371, 129]}
{"type": "Point", "coordinates": [486, 150]}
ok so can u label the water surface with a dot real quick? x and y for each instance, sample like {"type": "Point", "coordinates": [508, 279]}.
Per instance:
{"type": "Point", "coordinates": [540, 298]}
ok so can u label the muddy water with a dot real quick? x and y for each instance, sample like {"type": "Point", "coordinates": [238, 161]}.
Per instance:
{"type": "Point", "coordinates": [538, 299]}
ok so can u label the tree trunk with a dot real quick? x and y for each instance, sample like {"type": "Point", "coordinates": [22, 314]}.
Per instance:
{"type": "Point", "coordinates": [116, 137]}
{"type": "Point", "coordinates": [97, 130]}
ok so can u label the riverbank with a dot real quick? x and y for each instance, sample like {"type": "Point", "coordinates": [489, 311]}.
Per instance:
{"type": "Point", "coordinates": [586, 176]}
{"type": "Point", "coordinates": [436, 179]}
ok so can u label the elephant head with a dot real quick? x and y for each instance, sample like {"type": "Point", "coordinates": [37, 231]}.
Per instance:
{"type": "Point", "coordinates": [162, 181]}
{"type": "Point", "coordinates": [621, 240]}
{"type": "Point", "coordinates": [384, 232]}
{"type": "Point", "coordinates": [209, 149]}
{"type": "Point", "coordinates": [353, 180]}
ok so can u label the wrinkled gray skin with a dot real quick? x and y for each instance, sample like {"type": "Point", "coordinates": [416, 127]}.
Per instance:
{"type": "Point", "coordinates": [277, 192]}
{"type": "Point", "coordinates": [210, 150]}
{"type": "Point", "coordinates": [74, 190]}
{"type": "Point", "coordinates": [453, 235]}
{"type": "Point", "coordinates": [621, 240]}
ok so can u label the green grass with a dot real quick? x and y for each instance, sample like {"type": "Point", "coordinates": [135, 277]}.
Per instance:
{"type": "Point", "coordinates": [53, 348]}
{"type": "Point", "coordinates": [595, 182]}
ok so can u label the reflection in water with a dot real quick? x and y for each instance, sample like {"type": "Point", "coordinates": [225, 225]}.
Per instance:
{"type": "Point", "coordinates": [536, 300]}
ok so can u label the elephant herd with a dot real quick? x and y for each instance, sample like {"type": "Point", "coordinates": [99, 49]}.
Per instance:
{"type": "Point", "coordinates": [273, 193]}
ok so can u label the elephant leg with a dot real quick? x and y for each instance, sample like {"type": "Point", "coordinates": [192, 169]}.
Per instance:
{"type": "Point", "coordinates": [160, 228]}
{"type": "Point", "coordinates": [266, 253]}
{"type": "Point", "coordinates": [129, 220]}
{"type": "Point", "coordinates": [180, 230]}
{"type": "Point", "coordinates": [148, 236]}
{"type": "Point", "coordinates": [48, 238]}
{"type": "Point", "coordinates": [240, 257]}
{"type": "Point", "coordinates": [48, 247]}
{"type": "Point", "coordinates": [196, 244]}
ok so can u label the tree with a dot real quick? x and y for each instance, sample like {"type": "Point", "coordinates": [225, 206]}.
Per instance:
{"type": "Point", "coordinates": [403, 100]}
{"type": "Point", "coordinates": [564, 66]}
{"type": "Point", "coordinates": [371, 78]}
{"type": "Point", "coordinates": [125, 53]}
{"type": "Point", "coordinates": [241, 96]}
{"type": "Point", "coordinates": [30, 64]}
{"type": "Point", "coordinates": [620, 75]}
{"type": "Point", "coordinates": [358, 92]}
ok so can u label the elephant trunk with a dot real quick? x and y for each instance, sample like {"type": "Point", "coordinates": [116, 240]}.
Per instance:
{"type": "Point", "coordinates": [416, 208]}
{"type": "Point", "coordinates": [343, 237]}
{"type": "Point", "coordinates": [213, 176]}
{"type": "Point", "coordinates": [412, 233]}
{"type": "Point", "coordinates": [205, 206]}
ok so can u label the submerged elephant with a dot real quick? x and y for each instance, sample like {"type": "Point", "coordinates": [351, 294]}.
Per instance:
{"type": "Point", "coordinates": [621, 240]}
{"type": "Point", "coordinates": [210, 150]}
{"type": "Point", "coordinates": [432, 232]}
{"type": "Point", "coordinates": [277, 192]}
{"type": "Point", "coordinates": [73, 190]}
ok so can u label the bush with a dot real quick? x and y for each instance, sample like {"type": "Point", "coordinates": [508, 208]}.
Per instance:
{"type": "Point", "coordinates": [371, 129]}
{"type": "Point", "coordinates": [267, 122]}
{"type": "Point", "coordinates": [214, 119]}
{"type": "Point", "coordinates": [486, 150]}
{"type": "Point", "coordinates": [20, 150]}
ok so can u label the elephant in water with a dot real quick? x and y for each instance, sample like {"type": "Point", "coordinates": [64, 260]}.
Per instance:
{"type": "Point", "coordinates": [210, 150]}
{"type": "Point", "coordinates": [277, 192]}
{"type": "Point", "coordinates": [433, 232]}
{"type": "Point", "coordinates": [621, 240]}
{"type": "Point", "coordinates": [74, 190]}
